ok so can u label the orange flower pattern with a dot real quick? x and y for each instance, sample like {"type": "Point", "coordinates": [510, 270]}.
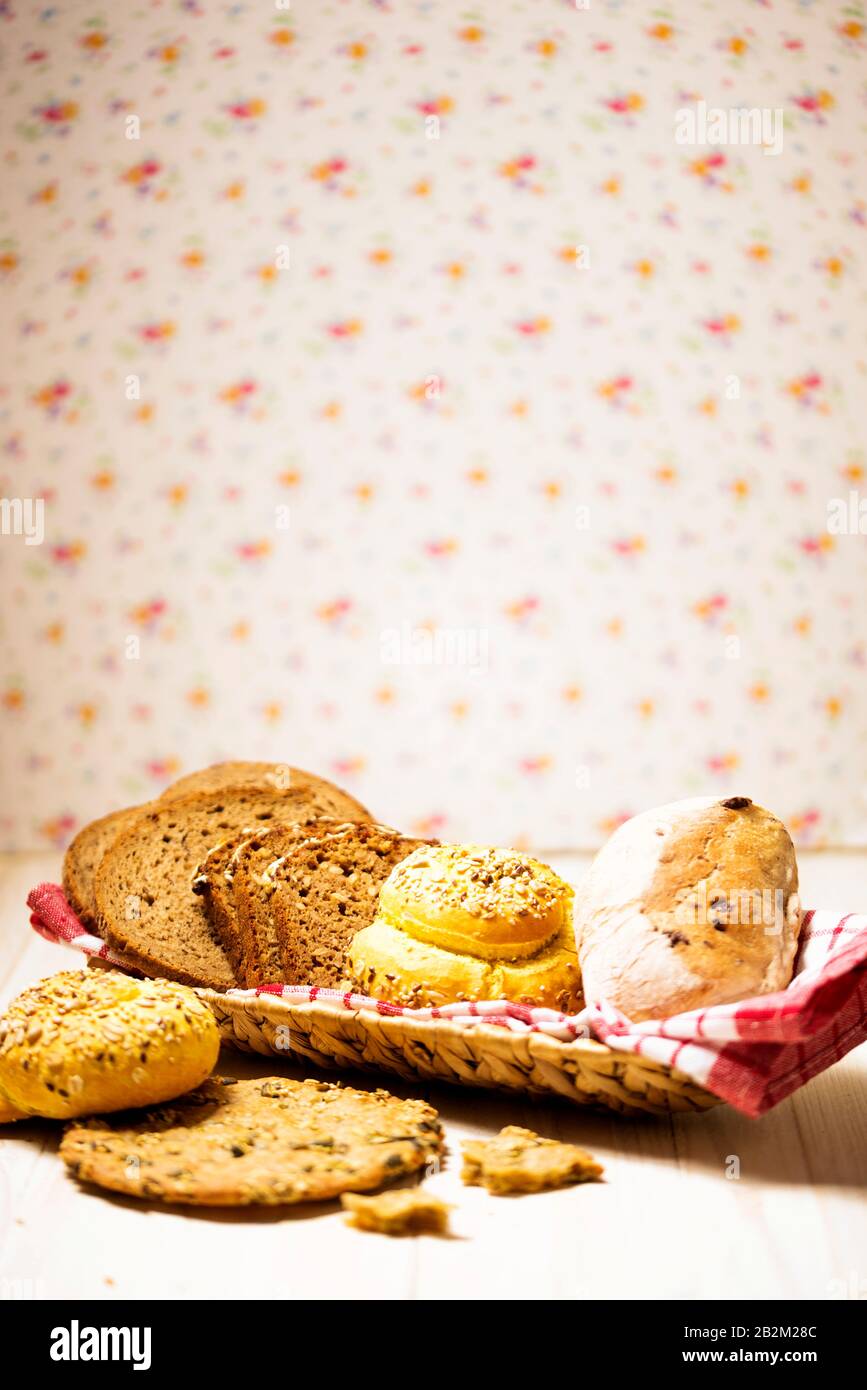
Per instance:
{"type": "Point", "coordinates": [406, 402]}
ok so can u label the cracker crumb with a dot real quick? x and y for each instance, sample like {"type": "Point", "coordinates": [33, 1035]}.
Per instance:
{"type": "Point", "coordinates": [518, 1160]}
{"type": "Point", "coordinates": [407, 1211]}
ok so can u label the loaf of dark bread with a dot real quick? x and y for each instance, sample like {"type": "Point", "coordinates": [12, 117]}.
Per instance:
{"type": "Point", "coordinates": [228, 878]}
{"type": "Point", "coordinates": [324, 892]}
{"type": "Point", "coordinates": [145, 903]}
{"type": "Point", "coordinates": [90, 844]}
{"type": "Point", "coordinates": [259, 946]}
{"type": "Point", "coordinates": [279, 776]}
{"type": "Point", "coordinates": [212, 882]}
{"type": "Point", "coordinates": [254, 888]}
{"type": "Point", "coordinates": [84, 856]}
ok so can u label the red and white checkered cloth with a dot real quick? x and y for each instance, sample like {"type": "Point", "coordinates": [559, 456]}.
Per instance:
{"type": "Point", "coordinates": [752, 1054]}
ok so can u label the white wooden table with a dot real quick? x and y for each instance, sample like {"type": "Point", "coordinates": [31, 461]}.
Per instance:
{"type": "Point", "coordinates": [666, 1223]}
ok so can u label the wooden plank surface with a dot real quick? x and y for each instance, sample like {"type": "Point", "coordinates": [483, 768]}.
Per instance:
{"type": "Point", "coordinates": [667, 1222]}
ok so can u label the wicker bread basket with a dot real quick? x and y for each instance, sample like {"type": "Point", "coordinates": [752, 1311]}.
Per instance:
{"type": "Point", "coordinates": [337, 1033]}
{"type": "Point", "coordinates": [583, 1071]}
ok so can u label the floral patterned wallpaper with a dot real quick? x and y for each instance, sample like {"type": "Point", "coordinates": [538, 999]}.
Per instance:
{"type": "Point", "coordinates": [405, 402]}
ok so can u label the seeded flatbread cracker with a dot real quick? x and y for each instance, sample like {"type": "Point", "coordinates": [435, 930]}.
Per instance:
{"type": "Point", "coordinates": [405, 1212]}
{"type": "Point", "coordinates": [240, 1143]}
{"type": "Point", "coordinates": [517, 1160]}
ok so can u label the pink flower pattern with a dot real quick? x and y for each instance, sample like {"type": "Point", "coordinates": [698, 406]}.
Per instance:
{"type": "Point", "coordinates": [315, 361]}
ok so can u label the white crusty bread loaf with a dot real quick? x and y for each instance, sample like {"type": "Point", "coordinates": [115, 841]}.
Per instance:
{"type": "Point", "coordinates": [691, 904]}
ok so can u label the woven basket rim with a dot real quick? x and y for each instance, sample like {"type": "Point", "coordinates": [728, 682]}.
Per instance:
{"type": "Point", "coordinates": [443, 1025]}
{"type": "Point", "coordinates": [274, 1007]}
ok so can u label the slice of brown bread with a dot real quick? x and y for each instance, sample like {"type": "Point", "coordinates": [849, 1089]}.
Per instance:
{"type": "Point", "coordinates": [278, 775]}
{"type": "Point", "coordinates": [83, 857]}
{"type": "Point", "coordinates": [213, 884]}
{"type": "Point", "coordinates": [215, 880]}
{"type": "Point", "coordinates": [327, 890]}
{"type": "Point", "coordinates": [260, 948]}
{"type": "Point", "coordinates": [86, 850]}
{"type": "Point", "coordinates": [145, 903]}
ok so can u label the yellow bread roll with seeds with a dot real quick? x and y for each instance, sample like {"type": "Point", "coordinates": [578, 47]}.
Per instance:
{"type": "Point", "coordinates": [86, 1042]}
{"type": "Point", "coordinates": [462, 922]}
{"type": "Point", "coordinates": [8, 1113]}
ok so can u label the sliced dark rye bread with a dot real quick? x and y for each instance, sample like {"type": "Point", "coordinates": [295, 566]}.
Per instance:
{"type": "Point", "coordinates": [213, 884]}
{"type": "Point", "coordinates": [90, 844]}
{"type": "Point", "coordinates": [84, 855]}
{"type": "Point", "coordinates": [145, 903]}
{"type": "Point", "coordinates": [327, 890]}
{"type": "Point", "coordinates": [253, 888]}
{"type": "Point", "coordinates": [280, 776]}
{"type": "Point", "coordinates": [215, 880]}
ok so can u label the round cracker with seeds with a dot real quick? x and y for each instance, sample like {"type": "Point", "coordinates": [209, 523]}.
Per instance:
{"type": "Point", "coordinates": [269, 1142]}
